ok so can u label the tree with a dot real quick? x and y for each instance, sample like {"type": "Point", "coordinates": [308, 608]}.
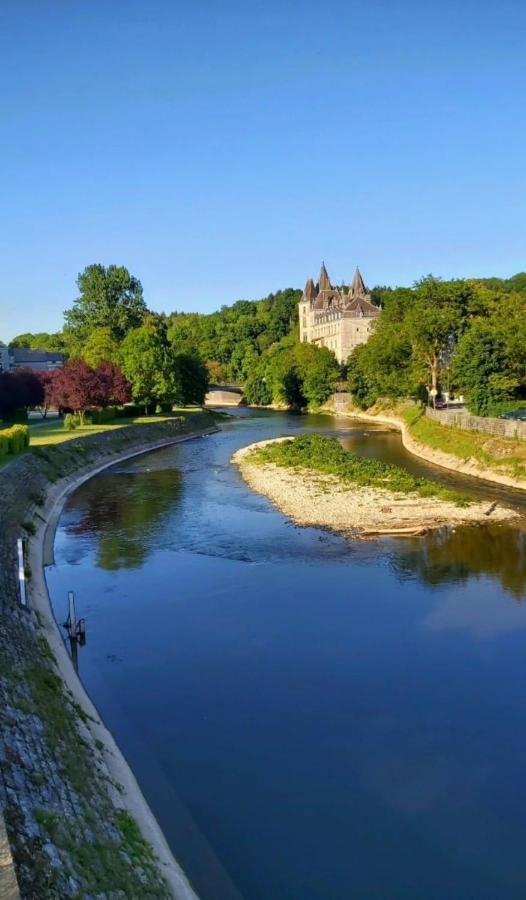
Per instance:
{"type": "Point", "coordinates": [146, 365]}
{"type": "Point", "coordinates": [108, 298]}
{"type": "Point", "coordinates": [258, 391]}
{"type": "Point", "coordinates": [489, 363]}
{"type": "Point", "coordinates": [293, 374]}
{"type": "Point", "coordinates": [46, 379]}
{"type": "Point", "coordinates": [413, 340]}
{"type": "Point", "coordinates": [20, 390]}
{"type": "Point", "coordinates": [100, 347]}
{"type": "Point", "coordinates": [318, 371]}
{"type": "Point", "coordinates": [434, 322]}
{"type": "Point", "coordinates": [77, 386]}
{"type": "Point", "coordinates": [191, 377]}
{"type": "Point", "coordinates": [29, 390]}
{"type": "Point", "coordinates": [235, 337]}
{"type": "Point", "coordinates": [42, 340]}
{"type": "Point", "coordinates": [216, 371]}
{"type": "Point", "coordinates": [115, 388]}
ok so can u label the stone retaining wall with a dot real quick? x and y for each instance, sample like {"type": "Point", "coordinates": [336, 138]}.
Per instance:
{"type": "Point", "coordinates": [340, 402]}
{"type": "Point", "coordinates": [506, 428]}
{"type": "Point", "coordinates": [68, 829]}
{"type": "Point", "coordinates": [223, 398]}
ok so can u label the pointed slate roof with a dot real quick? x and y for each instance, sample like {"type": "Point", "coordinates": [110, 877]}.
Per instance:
{"type": "Point", "coordinates": [324, 282]}
{"type": "Point", "coordinates": [360, 308]}
{"type": "Point", "coordinates": [310, 291]}
{"type": "Point", "coordinates": [358, 288]}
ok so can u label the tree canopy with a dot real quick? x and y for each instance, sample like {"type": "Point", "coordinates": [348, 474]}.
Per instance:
{"type": "Point", "coordinates": [293, 374]}
{"type": "Point", "coordinates": [109, 297]}
{"type": "Point", "coordinates": [468, 336]}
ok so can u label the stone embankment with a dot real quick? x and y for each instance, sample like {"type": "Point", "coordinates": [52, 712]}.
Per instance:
{"type": "Point", "coordinates": [342, 405]}
{"type": "Point", "coordinates": [76, 820]}
{"type": "Point", "coordinates": [512, 429]}
{"type": "Point", "coordinates": [312, 498]}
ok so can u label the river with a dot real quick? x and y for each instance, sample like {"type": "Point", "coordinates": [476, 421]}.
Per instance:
{"type": "Point", "coordinates": [309, 718]}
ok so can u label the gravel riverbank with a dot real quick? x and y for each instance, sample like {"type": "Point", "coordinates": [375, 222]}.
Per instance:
{"type": "Point", "coordinates": [314, 499]}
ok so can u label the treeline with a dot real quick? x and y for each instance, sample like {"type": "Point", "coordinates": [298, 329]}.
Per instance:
{"type": "Point", "coordinates": [466, 337]}
{"type": "Point", "coordinates": [171, 359]}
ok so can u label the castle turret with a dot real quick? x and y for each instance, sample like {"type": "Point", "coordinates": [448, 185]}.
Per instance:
{"type": "Point", "coordinates": [358, 288]}
{"type": "Point", "coordinates": [324, 282]}
{"type": "Point", "coordinates": [309, 294]}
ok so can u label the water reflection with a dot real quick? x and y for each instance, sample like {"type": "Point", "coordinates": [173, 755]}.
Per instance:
{"type": "Point", "coordinates": [123, 513]}
{"type": "Point", "coordinates": [357, 705]}
{"type": "Point", "coordinates": [455, 556]}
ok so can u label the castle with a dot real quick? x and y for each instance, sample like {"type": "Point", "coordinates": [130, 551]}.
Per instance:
{"type": "Point", "coordinates": [330, 317]}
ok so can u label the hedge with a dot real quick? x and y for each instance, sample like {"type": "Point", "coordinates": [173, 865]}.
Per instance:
{"type": "Point", "coordinates": [109, 413]}
{"type": "Point", "coordinates": [101, 416]}
{"type": "Point", "coordinates": [13, 440]}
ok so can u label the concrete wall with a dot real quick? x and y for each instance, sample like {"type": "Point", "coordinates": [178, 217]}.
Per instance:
{"type": "Point", "coordinates": [507, 428]}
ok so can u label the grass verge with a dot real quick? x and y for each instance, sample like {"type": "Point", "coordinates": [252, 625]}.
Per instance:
{"type": "Point", "coordinates": [504, 454]}
{"type": "Point", "coordinates": [55, 433]}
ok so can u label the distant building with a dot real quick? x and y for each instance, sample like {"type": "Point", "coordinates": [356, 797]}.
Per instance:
{"type": "Point", "coordinates": [12, 358]}
{"type": "Point", "coordinates": [331, 317]}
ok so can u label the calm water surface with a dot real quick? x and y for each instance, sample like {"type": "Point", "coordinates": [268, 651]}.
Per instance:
{"type": "Point", "coordinates": [310, 718]}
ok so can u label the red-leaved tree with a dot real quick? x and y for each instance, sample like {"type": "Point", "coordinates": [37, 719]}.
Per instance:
{"type": "Point", "coordinates": [18, 391]}
{"type": "Point", "coordinates": [78, 387]}
{"type": "Point", "coordinates": [46, 380]}
{"type": "Point", "coordinates": [115, 387]}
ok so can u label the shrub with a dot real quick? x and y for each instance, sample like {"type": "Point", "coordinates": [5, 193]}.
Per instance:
{"type": "Point", "coordinates": [71, 422]}
{"type": "Point", "coordinates": [102, 416]}
{"type": "Point", "coordinates": [131, 410]}
{"type": "Point", "coordinates": [13, 440]}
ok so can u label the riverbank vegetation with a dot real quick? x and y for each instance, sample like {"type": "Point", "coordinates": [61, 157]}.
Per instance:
{"type": "Point", "coordinates": [504, 454]}
{"type": "Point", "coordinates": [463, 336]}
{"type": "Point", "coordinates": [324, 454]}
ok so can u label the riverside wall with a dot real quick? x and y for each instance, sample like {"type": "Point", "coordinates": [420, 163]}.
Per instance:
{"type": "Point", "coordinates": [452, 418]}
{"type": "Point", "coordinates": [76, 821]}
{"type": "Point", "coordinates": [342, 404]}
{"type": "Point", "coordinates": [506, 428]}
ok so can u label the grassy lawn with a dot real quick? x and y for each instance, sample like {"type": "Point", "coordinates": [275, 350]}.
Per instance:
{"type": "Point", "coordinates": [505, 454]}
{"type": "Point", "coordinates": [55, 433]}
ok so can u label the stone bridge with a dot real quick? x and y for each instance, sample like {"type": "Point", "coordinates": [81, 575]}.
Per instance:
{"type": "Point", "coordinates": [224, 395]}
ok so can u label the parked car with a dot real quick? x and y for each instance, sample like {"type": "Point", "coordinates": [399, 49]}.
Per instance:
{"type": "Point", "coordinates": [440, 404]}
{"type": "Point", "coordinates": [517, 414]}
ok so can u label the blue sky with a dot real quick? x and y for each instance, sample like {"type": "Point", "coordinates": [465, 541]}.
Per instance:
{"type": "Point", "coordinates": [220, 149]}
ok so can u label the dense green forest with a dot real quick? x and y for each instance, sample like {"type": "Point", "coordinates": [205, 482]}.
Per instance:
{"type": "Point", "coordinates": [464, 336]}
